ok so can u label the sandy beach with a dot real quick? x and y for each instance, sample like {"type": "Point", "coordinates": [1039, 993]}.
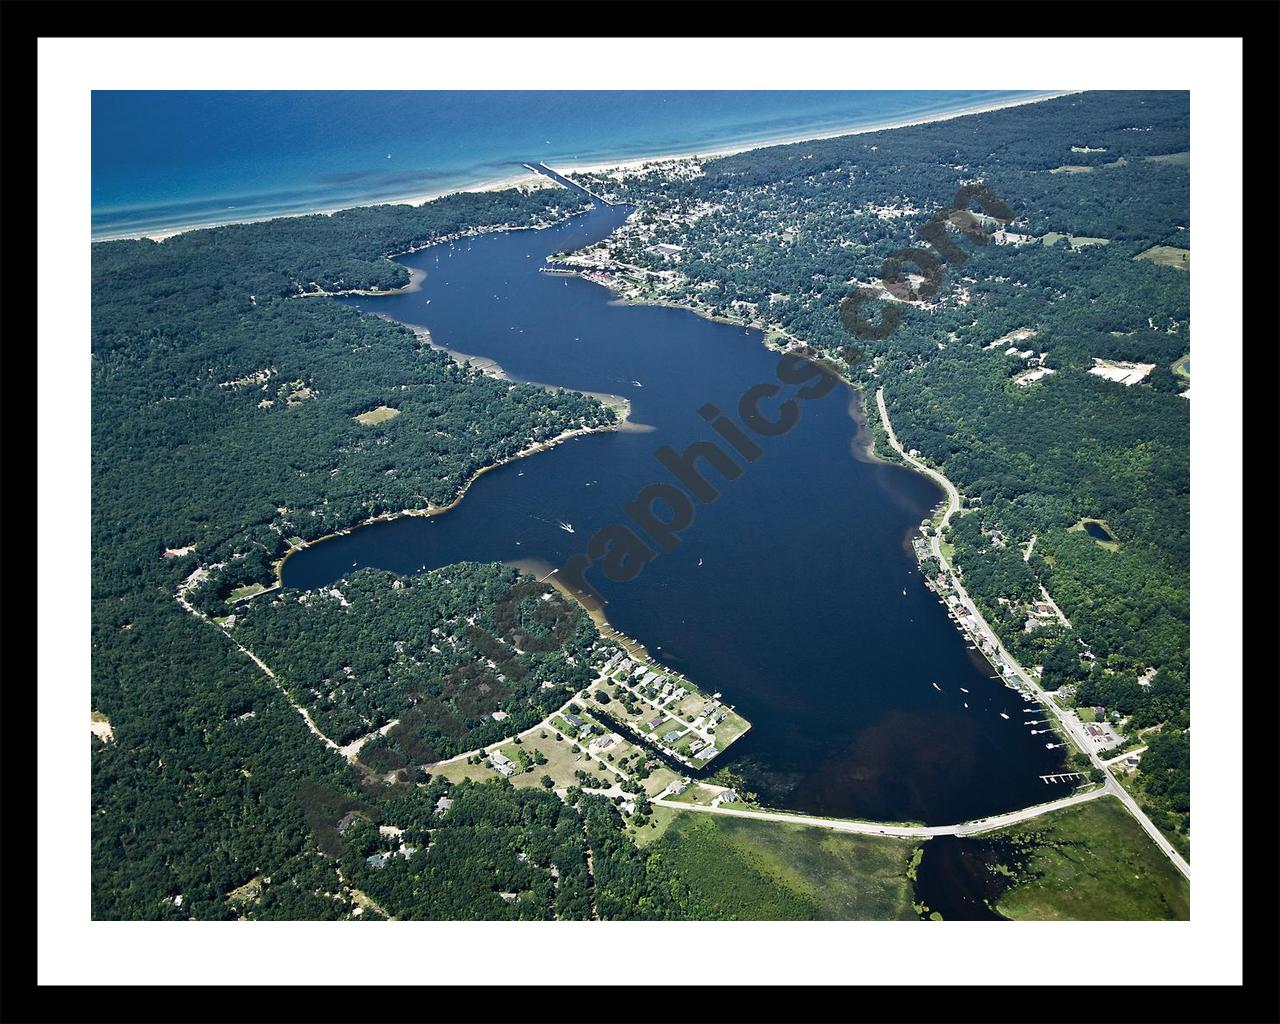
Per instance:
{"type": "Point", "coordinates": [835, 133]}
{"type": "Point", "coordinates": [527, 178]}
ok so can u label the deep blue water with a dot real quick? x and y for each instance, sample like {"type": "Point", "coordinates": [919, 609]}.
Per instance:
{"type": "Point", "coordinates": [166, 159]}
{"type": "Point", "coordinates": [794, 594]}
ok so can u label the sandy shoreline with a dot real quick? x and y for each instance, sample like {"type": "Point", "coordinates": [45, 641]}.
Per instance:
{"type": "Point", "coordinates": [835, 133]}
{"type": "Point", "coordinates": [525, 177]}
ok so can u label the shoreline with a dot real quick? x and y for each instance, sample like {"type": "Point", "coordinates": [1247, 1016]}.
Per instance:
{"type": "Point", "coordinates": [438, 510]}
{"type": "Point", "coordinates": [158, 234]}
{"type": "Point", "coordinates": [810, 136]}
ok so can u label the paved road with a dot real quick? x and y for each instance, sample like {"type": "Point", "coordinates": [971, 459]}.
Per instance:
{"type": "Point", "coordinates": [1072, 726]}
{"type": "Point", "coordinates": [872, 828]}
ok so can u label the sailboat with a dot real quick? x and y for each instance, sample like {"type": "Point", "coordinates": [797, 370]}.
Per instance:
{"type": "Point", "coordinates": [937, 687]}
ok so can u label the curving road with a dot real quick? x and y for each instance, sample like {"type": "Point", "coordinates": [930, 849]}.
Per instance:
{"type": "Point", "coordinates": [1070, 726]}
{"type": "Point", "coordinates": [872, 828]}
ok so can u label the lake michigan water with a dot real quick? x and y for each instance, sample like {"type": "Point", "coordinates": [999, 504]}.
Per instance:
{"type": "Point", "coordinates": [795, 594]}
{"type": "Point", "coordinates": [167, 159]}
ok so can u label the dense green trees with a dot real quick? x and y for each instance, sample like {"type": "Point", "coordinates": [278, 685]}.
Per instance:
{"type": "Point", "coordinates": [438, 652]}
{"type": "Point", "coordinates": [223, 416]}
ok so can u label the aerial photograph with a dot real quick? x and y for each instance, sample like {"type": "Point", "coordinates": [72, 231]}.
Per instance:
{"type": "Point", "coordinates": [640, 506]}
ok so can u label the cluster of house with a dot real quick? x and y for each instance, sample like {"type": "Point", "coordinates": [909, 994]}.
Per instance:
{"type": "Point", "coordinates": [655, 686]}
{"type": "Point", "coordinates": [717, 716]}
{"type": "Point", "coordinates": [502, 764]}
{"type": "Point", "coordinates": [381, 860]}
{"type": "Point", "coordinates": [617, 659]}
{"type": "Point", "coordinates": [583, 729]}
{"type": "Point", "coordinates": [1040, 613]}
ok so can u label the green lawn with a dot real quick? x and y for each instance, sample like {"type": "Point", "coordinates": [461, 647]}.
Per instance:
{"type": "Point", "coordinates": [381, 414]}
{"type": "Point", "coordinates": [766, 870]}
{"type": "Point", "coordinates": [1075, 241]}
{"type": "Point", "coordinates": [1093, 862]}
{"type": "Point", "coordinates": [1167, 256]}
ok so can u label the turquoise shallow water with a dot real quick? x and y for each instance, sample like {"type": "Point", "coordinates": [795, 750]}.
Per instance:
{"type": "Point", "coordinates": [168, 159]}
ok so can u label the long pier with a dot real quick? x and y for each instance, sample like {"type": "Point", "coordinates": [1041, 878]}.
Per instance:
{"type": "Point", "coordinates": [560, 179]}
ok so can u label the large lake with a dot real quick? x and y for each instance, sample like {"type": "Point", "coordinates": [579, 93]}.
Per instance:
{"type": "Point", "coordinates": [795, 594]}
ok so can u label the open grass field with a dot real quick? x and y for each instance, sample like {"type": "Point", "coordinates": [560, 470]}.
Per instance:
{"type": "Point", "coordinates": [767, 870]}
{"type": "Point", "coordinates": [733, 726]}
{"type": "Point", "coordinates": [1182, 159]}
{"type": "Point", "coordinates": [373, 417]}
{"type": "Point", "coordinates": [240, 593]}
{"type": "Point", "coordinates": [660, 819]}
{"type": "Point", "coordinates": [1182, 367]}
{"type": "Point", "coordinates": [1076, 241]}
{"type": "Point", "coordinates": [1167, 256]}
{"type": "Point", "coordinates": [1072, 169]}
{"type": "Point", "coordinates": [1093, 862]}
